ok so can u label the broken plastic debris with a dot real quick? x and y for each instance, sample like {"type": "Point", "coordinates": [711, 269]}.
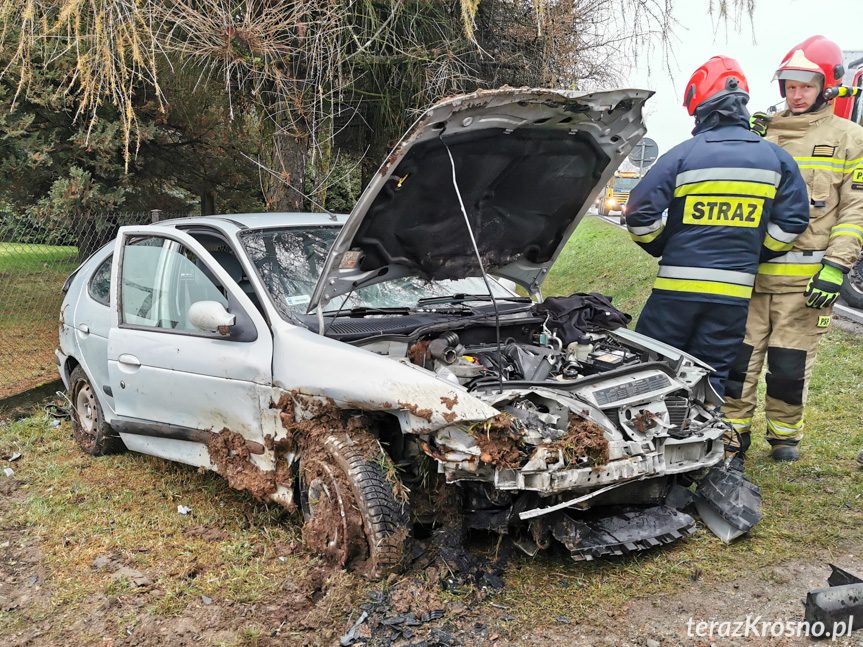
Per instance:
{"type": "Point", "coordinates": [623, 533]}
{"type": "Point", "coordinates": [14, 457]}
{"type": "Point", "coordinates": [728, 502]}
{"type": "Point", "coordinates": [351, 636]}
{"type": "Point", "coordinates": [206, 600]}
{"type": "Point", "coordinates": [54, 423]}
{"type": "Point", "coordinates": [183, 509]}
{"type": "Point", "coordinates": [840, 606]}
{"type": "Point", "coordinates": [8, 471]}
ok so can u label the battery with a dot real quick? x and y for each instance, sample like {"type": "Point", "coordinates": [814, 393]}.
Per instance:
{"type": "Point", "coordinates": [610, 359]}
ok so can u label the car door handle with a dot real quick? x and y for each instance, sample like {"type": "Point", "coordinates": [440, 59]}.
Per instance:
{"type": "Point", "coordinates": [85, 329]}
{"type": "Point", "coordinates": [129, 360]}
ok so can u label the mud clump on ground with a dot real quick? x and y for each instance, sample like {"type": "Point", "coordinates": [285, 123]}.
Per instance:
{"type": "Point", "coordinates": [498, 442]}
{"type": "Point", "coordinates": [206, 533]}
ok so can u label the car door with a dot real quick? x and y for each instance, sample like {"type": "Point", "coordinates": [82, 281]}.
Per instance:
{"type": "Point", "coordinates": [174, 384]}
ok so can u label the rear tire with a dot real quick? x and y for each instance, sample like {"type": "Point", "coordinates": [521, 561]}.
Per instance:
{"type": "Point", "coordinates": [94, 435]}
{"type": "Point", "coordinates": [852, 287]}
{"type": "Point", "coordinates": [352, 515]}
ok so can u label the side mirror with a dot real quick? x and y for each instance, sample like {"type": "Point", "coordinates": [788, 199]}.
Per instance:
{"type": "Point", "coordinates": [211, 316]}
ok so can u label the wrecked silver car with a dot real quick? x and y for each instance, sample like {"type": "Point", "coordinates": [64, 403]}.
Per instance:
{"type": "Point", "coordinates": [370, 371]}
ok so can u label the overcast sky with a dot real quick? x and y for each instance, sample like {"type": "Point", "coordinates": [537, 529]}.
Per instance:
{"type": "Point", "coordinates": [778, 25]}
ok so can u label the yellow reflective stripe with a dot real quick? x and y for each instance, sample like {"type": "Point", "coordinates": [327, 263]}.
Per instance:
{"type": "Point", "coordinates": [776, 245]}
{"type": "Point", "coordinates": [703, 287]}
{"type": "Point", "coordinates": [739, 421]}
{"type": "Point", "coordinates": [784, 429]}
{"type": "Point", "coordinates": [789, 269]}
{"type": "Point", "coordinates": [646, 238]}
{"type": "Point", "coordinates": [839, 232]}
{"type": "Point", "coordinates": [829, 160]}
{"type": "Point", "coordinates": [739, 424]}
{"type": "Point", "coordinates": [754, 189]}
{"type": "Point", "coordinates": [847, 226]}
{"type": "Point", "coordinates": [826, 166]}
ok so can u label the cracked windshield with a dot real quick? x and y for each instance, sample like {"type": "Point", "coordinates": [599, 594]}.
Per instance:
{"type": "Point", "coordinates": [289, 262]}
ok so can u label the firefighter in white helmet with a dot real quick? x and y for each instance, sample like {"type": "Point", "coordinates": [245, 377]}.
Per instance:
{"type": "Point", "coordinates": [794, 294]}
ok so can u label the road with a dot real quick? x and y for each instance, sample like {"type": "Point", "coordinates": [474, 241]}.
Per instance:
{"type": "Point", "coordinates": [841, 309]}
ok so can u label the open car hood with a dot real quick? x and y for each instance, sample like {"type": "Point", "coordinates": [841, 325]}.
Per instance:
{"type": "Point", "coordinates": [527, 163]}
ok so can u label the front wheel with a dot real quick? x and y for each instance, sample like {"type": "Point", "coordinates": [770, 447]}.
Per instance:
{"type": "Point", "coordinates": [94, 435]}
{"type": "Point", "coordinates": [852, 287]}
{"type": "Point", "coordinates": [355, 509]}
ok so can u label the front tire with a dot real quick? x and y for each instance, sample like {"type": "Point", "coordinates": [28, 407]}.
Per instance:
{"type": "Point", "coordinates": [353, 514]}
{"type": "Point", "coordinates": [93, 434]}
{"type": "Point", "coordinates": [852, 287]}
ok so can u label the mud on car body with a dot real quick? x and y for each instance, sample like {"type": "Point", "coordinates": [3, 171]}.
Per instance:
{"type": "Point", "coordinates": [366, 370]}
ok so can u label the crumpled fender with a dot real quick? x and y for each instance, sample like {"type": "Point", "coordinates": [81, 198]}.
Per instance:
{"type": "Point", "coordinates": [355, 378]}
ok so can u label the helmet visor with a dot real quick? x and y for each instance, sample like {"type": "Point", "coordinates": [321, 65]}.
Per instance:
{"type": "Point", "coordinates": [802, 76]}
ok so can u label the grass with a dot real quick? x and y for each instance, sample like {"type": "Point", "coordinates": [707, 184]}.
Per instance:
{"type": "Point", "coordinates": [31, 277]}
{"type": "Point", "coordinates": [603, 258]}
{"type": "Point", "coordinates": [77, 508]}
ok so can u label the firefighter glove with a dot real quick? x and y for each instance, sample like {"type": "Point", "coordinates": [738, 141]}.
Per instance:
{"type": "Point", "coordinates": [823, 288]}
{"type": "Point", "coordinates": [758, 123]}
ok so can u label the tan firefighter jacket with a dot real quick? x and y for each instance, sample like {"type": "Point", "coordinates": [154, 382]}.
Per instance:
{"type": "Point", "coordinates": [829, 152]}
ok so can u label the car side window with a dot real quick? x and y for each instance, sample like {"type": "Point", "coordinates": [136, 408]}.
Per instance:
{"type": "Point", "coordinates": [161, 279]}
{"type": "Point", "coordinates": [100, 282]}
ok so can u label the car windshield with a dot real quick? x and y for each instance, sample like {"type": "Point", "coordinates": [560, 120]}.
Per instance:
{"type": "Point", "coordinates": [289, 262]}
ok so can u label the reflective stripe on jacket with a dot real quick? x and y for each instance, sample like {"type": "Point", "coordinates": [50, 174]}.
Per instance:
{"type": "Point", "coordinates": [829, 152]}
{"type": "Point", "coordinates": [732, 199]}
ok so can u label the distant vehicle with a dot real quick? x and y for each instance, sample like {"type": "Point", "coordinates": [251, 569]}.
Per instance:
{"type": "Point", "coordinates": [852, 108]}
{"type": "Point", "coordinates": [616, 193]}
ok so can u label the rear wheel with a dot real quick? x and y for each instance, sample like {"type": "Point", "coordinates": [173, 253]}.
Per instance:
{"type": "Point", "coordinates": [852, 287]}
{"type": "Point", "coordinates": [94, 435]}
{"type": "Point", "coordinates": [351, 504]}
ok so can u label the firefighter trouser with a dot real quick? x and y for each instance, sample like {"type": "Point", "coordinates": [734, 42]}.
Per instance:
{"type": "Point", "coordinates": [712, 332]}
{"type": "Point", "coordinates": [783, 328]}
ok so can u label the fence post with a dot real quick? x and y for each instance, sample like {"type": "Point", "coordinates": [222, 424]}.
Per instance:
{"type": "Point", "coordinates": [155, 215]}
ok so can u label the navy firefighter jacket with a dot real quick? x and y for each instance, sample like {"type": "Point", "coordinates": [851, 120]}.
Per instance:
{"type": "Point", "coordinates": [733, 200]}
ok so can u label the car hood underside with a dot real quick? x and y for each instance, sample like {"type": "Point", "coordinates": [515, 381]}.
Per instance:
{"type": "Point", "coordinates": [520, 166]}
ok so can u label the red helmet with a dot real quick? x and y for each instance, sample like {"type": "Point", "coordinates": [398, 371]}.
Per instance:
{"type": "Point", "coordinates": [717, 77]}
{"type": "Point", "coordinates": [816, 60]}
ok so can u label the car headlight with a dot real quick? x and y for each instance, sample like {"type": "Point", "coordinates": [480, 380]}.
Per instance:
{"type": "Point", "coordinates": [612, 202]}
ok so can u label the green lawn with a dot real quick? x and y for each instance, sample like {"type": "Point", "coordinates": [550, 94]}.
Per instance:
{"type": "Point", "coordinates": [31, 278]}
{"type": "Point", "coordinates": [18, 257]}
{"type": "Point", "coordinates": [603, 258]}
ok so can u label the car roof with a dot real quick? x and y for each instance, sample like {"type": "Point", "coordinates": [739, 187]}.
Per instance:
{"type": "Point", "coordinates": [259, 220]}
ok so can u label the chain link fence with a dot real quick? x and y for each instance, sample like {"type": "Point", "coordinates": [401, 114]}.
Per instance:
{"type": "Point", "coordinates": [36, 256]}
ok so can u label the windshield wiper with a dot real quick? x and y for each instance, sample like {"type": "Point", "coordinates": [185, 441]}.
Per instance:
{"type": "Point", "coordinates": [460, 298]}
{"type": "Point", "coordinates": [362, 311]}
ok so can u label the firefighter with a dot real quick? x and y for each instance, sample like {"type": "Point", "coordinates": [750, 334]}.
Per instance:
{"type": "Point", "coordinates": [732, 199]}
{"type": "Point", "coordinates": [794, 293]}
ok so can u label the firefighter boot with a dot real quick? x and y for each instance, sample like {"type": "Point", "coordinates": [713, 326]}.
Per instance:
{"type": "Point", "coordinates": [784, 451]}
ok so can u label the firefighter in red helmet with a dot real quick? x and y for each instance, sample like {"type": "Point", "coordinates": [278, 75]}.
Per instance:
{"type": "Point", "coordinates": [794, 293]}
{"type": "Point", "coordinates": [733, 199]}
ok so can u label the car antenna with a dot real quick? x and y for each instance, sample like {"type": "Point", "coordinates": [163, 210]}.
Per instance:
{"type": "Point", "coordinates": [279, 177]}
{"type": "Point", "coordinates": [481, 267]}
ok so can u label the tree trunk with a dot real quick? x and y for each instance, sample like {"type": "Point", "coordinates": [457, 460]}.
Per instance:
{"type": "Point", "coordinates": [290, 163]}
{"type": "Point", "coordinates": [208, 202]}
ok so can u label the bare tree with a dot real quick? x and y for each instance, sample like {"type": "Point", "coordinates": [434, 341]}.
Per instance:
{"type": "Point", "coordinates": [318, 70]}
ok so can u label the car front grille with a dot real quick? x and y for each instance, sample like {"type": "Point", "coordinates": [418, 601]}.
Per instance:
{"type": "Point", "coordinates": [678, 410]}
